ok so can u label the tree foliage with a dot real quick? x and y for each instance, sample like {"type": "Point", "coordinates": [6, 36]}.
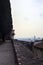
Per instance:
{"type": "Point", "coordinates": [5, 18]}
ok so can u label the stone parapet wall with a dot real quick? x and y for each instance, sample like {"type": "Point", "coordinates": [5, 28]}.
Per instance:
{"type": "Point", "coordinates": [37, 53]}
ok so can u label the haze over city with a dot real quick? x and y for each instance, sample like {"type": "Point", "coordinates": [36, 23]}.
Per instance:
{"type": "Point", "coordinates": [27, 18]}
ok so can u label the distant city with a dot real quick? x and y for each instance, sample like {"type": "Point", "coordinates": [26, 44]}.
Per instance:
{"type": "Point", "coordinates": [30, 39]}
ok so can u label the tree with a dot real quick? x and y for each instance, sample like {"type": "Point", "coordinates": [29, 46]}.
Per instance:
{"type": "Point", "coordinates": [5, 18]}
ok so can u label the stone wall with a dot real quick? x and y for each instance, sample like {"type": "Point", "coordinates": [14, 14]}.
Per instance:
{"type": "Point", "coordinates": [37, 53]}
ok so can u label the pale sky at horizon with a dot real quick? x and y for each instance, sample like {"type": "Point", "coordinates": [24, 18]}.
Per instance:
{"type": "Point", "coordinates": [27, 17]}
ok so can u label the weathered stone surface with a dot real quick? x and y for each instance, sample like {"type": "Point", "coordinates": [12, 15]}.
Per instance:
{"type": "Point", "coordinates": [25, 56]}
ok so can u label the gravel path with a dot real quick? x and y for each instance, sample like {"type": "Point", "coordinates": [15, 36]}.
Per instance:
{"type": "Point", "coordinates": [6, 54]}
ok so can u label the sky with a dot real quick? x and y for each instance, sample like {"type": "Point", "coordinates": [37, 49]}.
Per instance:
{"type": "Point", "coordinates": [27, 18]}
